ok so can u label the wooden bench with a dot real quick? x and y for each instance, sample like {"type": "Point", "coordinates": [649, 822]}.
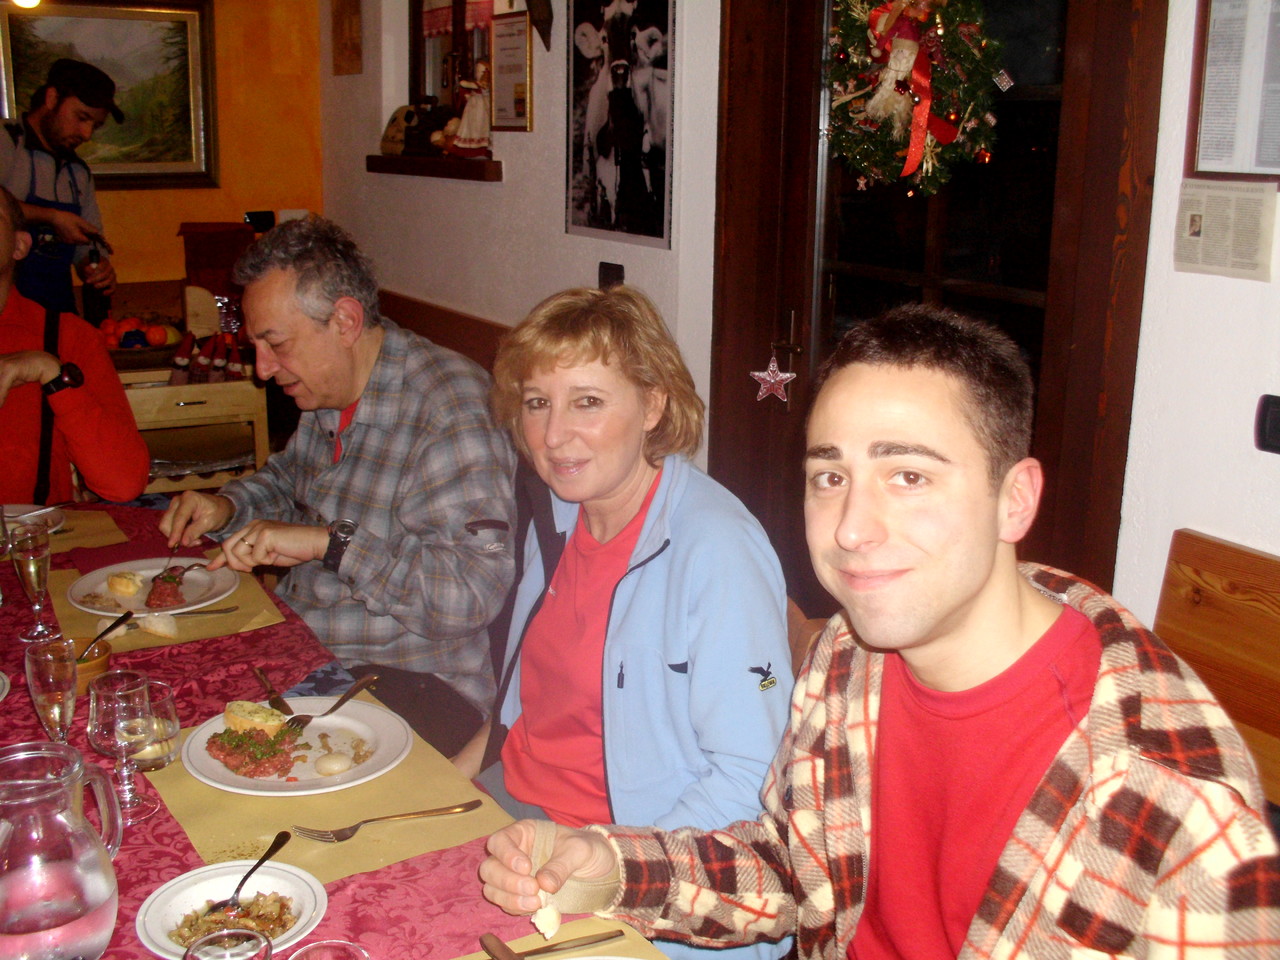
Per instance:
{"type": "Point", "coordinates": [1220, 611]}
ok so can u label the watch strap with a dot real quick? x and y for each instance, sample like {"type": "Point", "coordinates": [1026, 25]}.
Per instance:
{"type": "Point", "coordinates": [69, 377]}
{"type": "Point", "coordinates": [338, 543]}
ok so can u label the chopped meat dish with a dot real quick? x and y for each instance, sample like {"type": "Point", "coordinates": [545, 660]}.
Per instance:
{"type": "Point", "coordinates": [166, 589]}
{"type": "Point", "coordinates": [252, 753]}
{"type": "Point", "coordinates": [101, 601]}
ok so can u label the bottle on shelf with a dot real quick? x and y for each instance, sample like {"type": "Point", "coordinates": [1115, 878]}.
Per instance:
{"type": "Point", "coordinates": [202, 362]}
{"type": "Point", "coordinates": [96, 304]}
{"type": "Point", "coordinates": [218, 366]}
{"type": "Point", "coordinates": [181, 363]}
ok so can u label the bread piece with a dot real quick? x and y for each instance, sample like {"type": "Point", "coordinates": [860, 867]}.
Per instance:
{"type": "Point", "coordinates": [104, 622]}
{"type": "Point", "coordinates": [546, 919]}
{"type": "Point", "coordinates": [247, 715]}
{"type": "Point", "coordinates": [159, 624]}
{"type": "Point", "coordinates": [125, 584]}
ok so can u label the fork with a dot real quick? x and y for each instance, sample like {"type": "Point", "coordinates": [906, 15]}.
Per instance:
{"type": "Point", "coordinates": [299, 721]}
{"type": "Point", "coordinates": [185, 570]}
{"type": "Point", "coordinates": [346, 833]}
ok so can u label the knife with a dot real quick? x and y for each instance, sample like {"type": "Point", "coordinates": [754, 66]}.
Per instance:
{"type": "Point", "coordinates": [278, 702]}
{"type": "Point", "coordinates": [498, 950]}
{"type": "Point", "coordinates": [136, 625]}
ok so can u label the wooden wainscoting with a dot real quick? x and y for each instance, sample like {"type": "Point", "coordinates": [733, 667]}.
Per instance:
{"type": "Point", "coordinates": [470, 336]}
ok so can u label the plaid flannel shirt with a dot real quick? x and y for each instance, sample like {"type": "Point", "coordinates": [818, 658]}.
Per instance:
{"type": "Point", "coordinates": [425, 473]}
{"type": "Point", "coordinates": [1145, 838]}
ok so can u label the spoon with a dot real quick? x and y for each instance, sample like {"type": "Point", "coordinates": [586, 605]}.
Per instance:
{"type": "Point", "coordinates": [123, 618]}
{"type": "Point", "coordinates": [233, 901]}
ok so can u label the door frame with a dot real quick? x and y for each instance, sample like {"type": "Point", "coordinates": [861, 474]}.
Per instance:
{"type": "Point", "coordinates": [766, 191]}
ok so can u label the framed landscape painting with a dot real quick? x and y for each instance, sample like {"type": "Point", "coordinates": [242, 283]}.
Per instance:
{"type": "Point", "coordinates": [161, 59]}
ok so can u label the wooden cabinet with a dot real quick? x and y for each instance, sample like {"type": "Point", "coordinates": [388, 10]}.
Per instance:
{"type": "Point", "coordinates": [198, 424]}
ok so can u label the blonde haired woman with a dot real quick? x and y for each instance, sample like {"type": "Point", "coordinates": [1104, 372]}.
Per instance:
{"type": "Point", "coordinates": [648, 683]}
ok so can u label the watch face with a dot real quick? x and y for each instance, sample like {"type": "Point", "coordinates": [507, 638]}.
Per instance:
{"type": "Point", "coordinates": [73, 375]}
{"type": "Point", "coordinates": [343, 528]}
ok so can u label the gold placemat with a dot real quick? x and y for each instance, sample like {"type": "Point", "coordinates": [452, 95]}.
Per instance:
{"type": "Point", "coordinates": [632, 943]}
{"type": "Point", "coordinates": [255, 610]}
{"type": "Point", "coordinates": [232, 826]}
{"type": "Point", "coordinates": [86, 528]}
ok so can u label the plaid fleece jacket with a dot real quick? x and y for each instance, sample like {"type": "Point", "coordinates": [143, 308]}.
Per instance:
{"type": "Point", "coordinates": [1144, 839]}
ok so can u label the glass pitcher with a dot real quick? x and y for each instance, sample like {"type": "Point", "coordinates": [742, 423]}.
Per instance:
{"type": "Point", "coordinates": [57, 887]}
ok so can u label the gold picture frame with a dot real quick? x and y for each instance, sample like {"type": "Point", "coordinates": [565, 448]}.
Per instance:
{"type": "Point", "coordinates": [511, 93]}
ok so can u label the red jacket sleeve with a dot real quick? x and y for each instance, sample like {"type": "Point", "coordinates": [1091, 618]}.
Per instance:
{"type": "Point", "coordinates": [96, 421]}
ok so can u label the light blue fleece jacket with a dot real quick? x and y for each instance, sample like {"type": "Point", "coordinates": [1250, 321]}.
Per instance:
{"type": "Point", "coordinates": [697, 669]}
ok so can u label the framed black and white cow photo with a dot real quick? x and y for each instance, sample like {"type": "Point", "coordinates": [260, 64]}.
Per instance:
{"type": "Point", "coordinates": [621, 83]}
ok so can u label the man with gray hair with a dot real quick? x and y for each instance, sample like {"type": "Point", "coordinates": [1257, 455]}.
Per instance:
{"type": "Point", "coordinates": [392, 503]}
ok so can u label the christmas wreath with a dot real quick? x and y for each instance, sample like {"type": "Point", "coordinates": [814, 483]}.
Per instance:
{"type": "Point", "coordinates": [912, 87]}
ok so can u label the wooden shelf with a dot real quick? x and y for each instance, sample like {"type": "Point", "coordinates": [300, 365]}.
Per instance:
{"type": "Point", "coordinates": [450, 168]}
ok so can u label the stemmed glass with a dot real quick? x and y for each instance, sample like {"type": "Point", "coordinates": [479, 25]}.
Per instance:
{"type": "Point", "coordinates": [122, 725]}
{"type": "Point", "coordinates": [29, 548]}
{"type": "Point", "coordinates": [51, 678]}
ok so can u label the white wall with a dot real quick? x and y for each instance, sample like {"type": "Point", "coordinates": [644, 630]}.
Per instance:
{"type": "Point", "coordinates": [496, 249]}
{"type": "Point", "coordinates": [1210, 347]}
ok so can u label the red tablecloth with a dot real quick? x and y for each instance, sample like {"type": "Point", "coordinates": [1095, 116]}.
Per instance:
{"type": "Point", "coordinates": [426, 908]}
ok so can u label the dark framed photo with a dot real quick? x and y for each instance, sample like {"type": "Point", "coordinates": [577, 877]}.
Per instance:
{"type": "Point", "coordinates": [621, 85]}
{"type": "Point", "coordinates": [160, 56]}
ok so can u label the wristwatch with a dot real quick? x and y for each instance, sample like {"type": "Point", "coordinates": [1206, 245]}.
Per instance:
{"type": "Point", "coordinates": [69, 377]}
{"type": "Point", "coordinates": [340, 534]}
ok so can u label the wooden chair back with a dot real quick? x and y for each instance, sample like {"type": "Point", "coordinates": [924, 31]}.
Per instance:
{"type": "Point", "coordinates": [1220, 611]}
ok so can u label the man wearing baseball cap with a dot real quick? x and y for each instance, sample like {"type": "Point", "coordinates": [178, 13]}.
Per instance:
{"type": "Point", "coordinates": [39, 166]}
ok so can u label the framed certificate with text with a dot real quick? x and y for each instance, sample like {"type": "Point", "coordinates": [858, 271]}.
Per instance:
{"type": "Point", "coordinates": [512, 93]}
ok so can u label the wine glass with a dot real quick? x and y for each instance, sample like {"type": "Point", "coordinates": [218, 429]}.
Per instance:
{"type": "Point", "coordinates": [163, 749]}
{"type": "Point", "coordinates": [29, 548]}
{"type": "Point", "coordinates": [122, 724]}
{"type": "Point", "coordinates": [331, 950]}
{"type": "Point", "coordinates": [51, 678]}
{"type": "Point", "coordinates": [230, 945]}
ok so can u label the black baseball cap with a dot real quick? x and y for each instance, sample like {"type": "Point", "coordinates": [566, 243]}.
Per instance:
{"type": "Point", "coordinates": [87, 82]}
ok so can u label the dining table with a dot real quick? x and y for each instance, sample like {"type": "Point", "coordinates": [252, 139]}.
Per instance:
{"type": "Point", "coordinates": [402, 891]}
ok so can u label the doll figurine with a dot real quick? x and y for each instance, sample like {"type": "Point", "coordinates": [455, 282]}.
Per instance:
{"type": "Point", "coordinates": [472, 139]}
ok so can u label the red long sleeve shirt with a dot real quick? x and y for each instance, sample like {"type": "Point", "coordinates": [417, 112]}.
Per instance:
{"type": "Point", "coordinates": [93, 424]}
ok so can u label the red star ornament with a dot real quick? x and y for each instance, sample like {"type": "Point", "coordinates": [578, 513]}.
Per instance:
{"type": "Point", "coordinates": [772, 380]}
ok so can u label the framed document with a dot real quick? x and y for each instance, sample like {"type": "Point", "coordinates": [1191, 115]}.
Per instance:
{"type": "Point", "coordinates": [512, 93]}
{"type": "Point", "coordinates": [1235, 96]}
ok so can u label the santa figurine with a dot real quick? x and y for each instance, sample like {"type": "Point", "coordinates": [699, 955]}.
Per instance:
{"type": "Point", "coordinates": [894, 35]}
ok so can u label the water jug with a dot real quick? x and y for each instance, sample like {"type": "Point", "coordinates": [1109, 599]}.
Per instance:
{"type": "Point", "coordinates": [57, 887]}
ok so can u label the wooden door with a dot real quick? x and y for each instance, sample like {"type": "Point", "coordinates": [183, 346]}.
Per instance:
{"type": "Point", "coordinates": [767, 299]}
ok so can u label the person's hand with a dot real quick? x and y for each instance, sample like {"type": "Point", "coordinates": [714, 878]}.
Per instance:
{"type": "Point", "coordinates": [271, 543]}
{"type": "Point", "coordinates": [101, 274]}
{"type": "Point", "coordinates": [194, 514]}
{"type": "Point", "coordinates": [507, 873]}
{"type": "Point", "coordinates": [69, 227]}
{"type": "Point", "coordinates": [26, 366]}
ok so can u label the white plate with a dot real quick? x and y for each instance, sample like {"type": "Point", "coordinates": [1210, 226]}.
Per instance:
{"type": "Point", "coordinates": [4, 686]}
{"type": "Point", "coordinates": [199, 587]}
{"type": "Point", "coordinates": [385, 732]}
{"type": "Point", "coordinates": [14, 512]}
{"type": "Point", "coordinates": [165, 908]}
